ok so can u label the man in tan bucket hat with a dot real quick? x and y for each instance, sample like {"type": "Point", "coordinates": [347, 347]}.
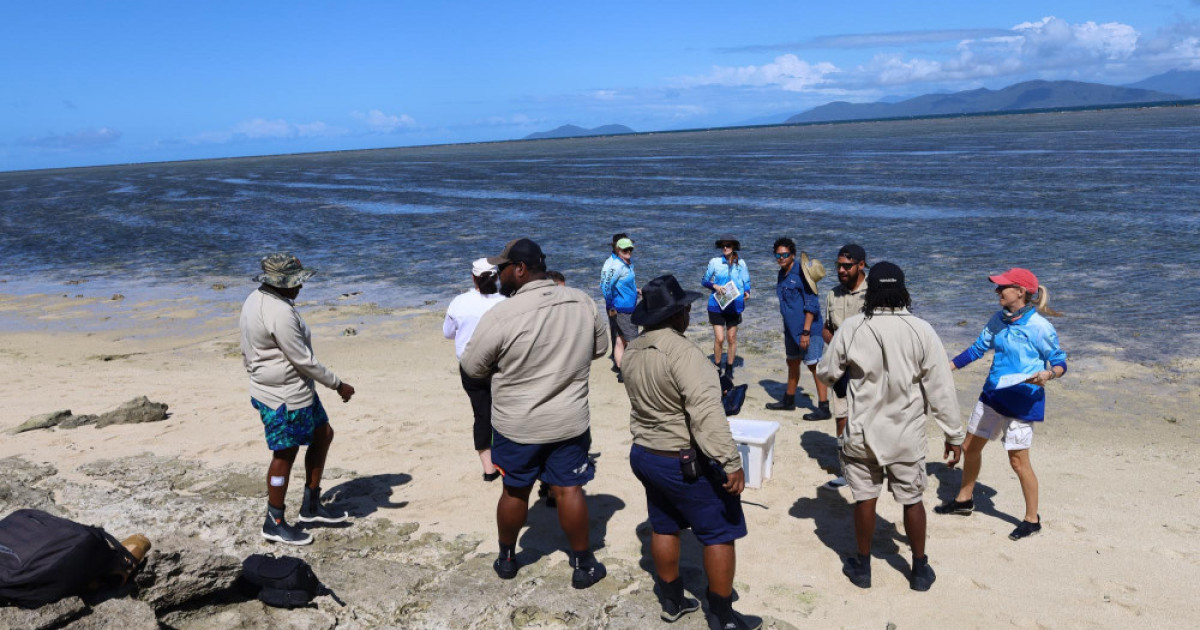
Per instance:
{"type": "Point", "coordinates": [278, 356]}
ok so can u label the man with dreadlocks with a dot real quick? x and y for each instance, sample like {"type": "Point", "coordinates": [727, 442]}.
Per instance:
{"type": "Point", "coordinates": [899, 374]}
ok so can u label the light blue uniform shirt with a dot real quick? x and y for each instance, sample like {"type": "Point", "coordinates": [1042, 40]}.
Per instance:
{"type": "Point", "coordinates": [718, 273]}
{"type": "Point", "coordinates": [1022, 347]}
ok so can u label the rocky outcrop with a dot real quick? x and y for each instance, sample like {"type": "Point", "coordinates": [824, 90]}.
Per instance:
{"type": "Point", "coordinates": [136, 411]}
{"type": "Point", "coordinates": [375, 573]}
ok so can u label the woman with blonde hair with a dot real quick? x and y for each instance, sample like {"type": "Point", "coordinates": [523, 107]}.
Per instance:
{"type": "Point", "coordinates": [1014, 397]}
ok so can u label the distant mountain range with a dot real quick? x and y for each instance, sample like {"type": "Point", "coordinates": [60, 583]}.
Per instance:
{"type": "Point", "coordinates": [1185, 83]}
{"type": "Point", "coordinates": [572, 131]}
{"type": "Point", "coordinates": [1021, 96]}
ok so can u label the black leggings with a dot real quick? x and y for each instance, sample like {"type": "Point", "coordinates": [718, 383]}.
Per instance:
{"type": "Point", "coordinates": [479, 390]}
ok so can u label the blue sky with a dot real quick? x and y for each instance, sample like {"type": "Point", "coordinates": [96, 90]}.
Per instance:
{"type": "Point", "coordinates": [86, 83]}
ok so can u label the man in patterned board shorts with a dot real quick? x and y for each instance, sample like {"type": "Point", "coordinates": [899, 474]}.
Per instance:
{"type": "Point", "coordinates": [277, 354]}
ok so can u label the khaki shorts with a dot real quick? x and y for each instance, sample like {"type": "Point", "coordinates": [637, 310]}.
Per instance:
{"type": "Point", "coordinates": [989, 425]}
{"type": "Point", "coordinates": [865, 478]}
{"type": "Point", "coordinates": [839, 407]}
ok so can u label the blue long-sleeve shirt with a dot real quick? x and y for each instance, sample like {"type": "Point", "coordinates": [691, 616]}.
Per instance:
{"type": "Point", "coordinates": [796, 299]}
{"type": "Point", "coordinates": [618, 285]}
{"type": "Point", "coordinates": [718, 273]}
{"type": "Point", "coordinates": [1022, 347]}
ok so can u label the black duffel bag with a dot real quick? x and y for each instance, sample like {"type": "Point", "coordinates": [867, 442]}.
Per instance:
{"type": "Point", "coordinates": [44, 558]}
{"type": "Point", "coordinates": [284, 582]}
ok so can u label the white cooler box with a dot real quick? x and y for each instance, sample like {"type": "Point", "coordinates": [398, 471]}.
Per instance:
{"type": "Point", "coordinates": [756, 442]}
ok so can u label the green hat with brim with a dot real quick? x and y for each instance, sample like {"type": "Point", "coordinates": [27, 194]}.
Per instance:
{"type": "Point", "coordinates": [283, 270]}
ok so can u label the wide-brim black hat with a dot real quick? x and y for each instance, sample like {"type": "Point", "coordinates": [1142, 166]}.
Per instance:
{"type": "Point", "coordinates": [662, 297]}
{"type": "Point", "coordinates": [737, 245]}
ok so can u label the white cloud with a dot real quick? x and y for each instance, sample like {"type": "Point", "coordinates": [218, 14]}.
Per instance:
{"type": "Point", "coordinates": [788, 72]}
{"type": "Point", "coordinates": [1050, 48]}
{"type": "Point", "coordinates": [380, 122]}
{"type": "Point", "coordinates": [265, 129]}
{"type": "Point", "coordinates": [75, 140]}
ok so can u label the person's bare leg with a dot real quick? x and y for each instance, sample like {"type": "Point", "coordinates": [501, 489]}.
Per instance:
{"type": "Point", "coordinates": [793, 377]}
{"type": "Point", "coordinates": [664, 549]}
{"type": "Point", "coordinates": [864, 525]}
{"type": "Point", "coordinates": [315, 454]}
{"type": "Point", "coordinates": [618, 350]}
{"type": "Point", "coordinates": [914, 527]}
{"type": "Point", "coordinates": [485, 458]}
{"type": "Point", "coordinates": [720, 562]}
{"type": "Point", "coordinates": [822, 390]}
{"type": "Point", "coordinates": [280, 469]}
{"type": "Point", "coordinates": [572, 515]}
{"type": "Point", "coordinates": [718, 341]}
{"type": "Point", "coordinates": [1029, 482]}
{"type": "Point", "coordinates": [972, 461]}
{"type": "Point", "coordinates": [511, 511]}
{"type": "Point", "coordinates": [731, 333]}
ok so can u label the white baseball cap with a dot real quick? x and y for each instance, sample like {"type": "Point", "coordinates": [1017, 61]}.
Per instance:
{"type": "Point", "coordinates": [482, 266]}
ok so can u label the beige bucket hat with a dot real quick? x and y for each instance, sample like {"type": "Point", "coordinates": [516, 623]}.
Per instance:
{"type": "Point", "coordinates": [812, 269]}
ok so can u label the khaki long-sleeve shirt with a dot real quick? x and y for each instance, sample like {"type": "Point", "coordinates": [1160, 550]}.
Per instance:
{"type": "Point", "coordinates": [277, 353]}
{"type": "Point", "coordinates": [538, 346]}
{"type": "Point", "coordinates": [671, 384]}
{"type": "Point", "coordinates": [899, 375]}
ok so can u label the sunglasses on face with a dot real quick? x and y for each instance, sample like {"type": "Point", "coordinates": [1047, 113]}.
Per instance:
{"type": "Point", "coordinates": [1001, 288]}
{"type": "Point", "coordinates": [783, 256]}
{"type": "Point", "coordinates": [502, 266]}
{"type": "Point", "coordinates": [849, 265]}
{"type": "Point", "coordinates": [627, 250]}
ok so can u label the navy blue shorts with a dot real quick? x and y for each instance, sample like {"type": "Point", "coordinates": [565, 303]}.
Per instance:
{"type": "Point", "coordinates": [565, 463]}
{"type": "Point", "coordinates": [714, 515]}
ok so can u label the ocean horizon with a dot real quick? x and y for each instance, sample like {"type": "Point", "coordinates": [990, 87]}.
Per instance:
{"type": "Point", "coordinates": [1099, 203]}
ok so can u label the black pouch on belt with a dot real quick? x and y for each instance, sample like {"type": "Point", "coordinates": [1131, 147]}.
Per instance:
{"type": "Point", "coordinates": [689, 464]}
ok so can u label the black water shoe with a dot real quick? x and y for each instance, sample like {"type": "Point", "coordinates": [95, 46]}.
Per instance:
{"type": "Point", "coordinates": [276, 529]}
{"type": "Point", "coordinates": [858, 569]}
{"type": "Point", "coordinates": [1026, 529]}
{"type": "Point", "coordinates": [956, 507]}
{"type": "Point", "coordinates": [922, 575]}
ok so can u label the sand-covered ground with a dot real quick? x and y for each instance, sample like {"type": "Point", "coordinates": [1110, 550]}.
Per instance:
{"type": "Point", "coordinates": [1117, 460]}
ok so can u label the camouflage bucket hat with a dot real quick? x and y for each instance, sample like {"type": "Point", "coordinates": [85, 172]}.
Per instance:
{"type": "Point", "coordinates": [283, 270]}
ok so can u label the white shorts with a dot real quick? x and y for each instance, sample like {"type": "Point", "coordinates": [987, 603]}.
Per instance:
{"type": "Point", "coordinates": [986, 423]}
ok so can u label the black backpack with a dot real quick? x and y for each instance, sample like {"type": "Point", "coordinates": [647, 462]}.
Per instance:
{"type": "Point", "coordinates": [285, 582]}
{"type": "Point", "coordinates": [44, 558]}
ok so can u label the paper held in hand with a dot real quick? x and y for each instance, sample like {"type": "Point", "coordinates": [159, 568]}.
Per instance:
{"type": "Point", "coordinates": [1008, 380]}
{"type": "Point", "coordinates": [731, 293]}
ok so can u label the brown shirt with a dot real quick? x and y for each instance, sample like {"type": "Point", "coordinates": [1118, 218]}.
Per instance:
{"type": "Point", "coordinates": [842, 304]}
{"type": "Point", "coordinates": [671, 384]}
{"type": "Point", "coordinates": [538, 346]}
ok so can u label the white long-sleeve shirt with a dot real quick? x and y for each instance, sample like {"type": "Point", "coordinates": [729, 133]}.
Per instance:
{"type": "Point", "coordinates": [463, 315]}
{"type": "Point", "coordinates": [277, 353]}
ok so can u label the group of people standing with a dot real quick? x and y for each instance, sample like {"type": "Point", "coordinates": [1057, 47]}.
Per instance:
{"type": "Point", "coordinates": [525, 342]}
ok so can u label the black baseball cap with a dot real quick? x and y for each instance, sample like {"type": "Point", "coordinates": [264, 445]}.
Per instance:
{"type": "Point", "coordinates": [854, 252]}
{"type": "Point", "coordinates": [885, 275]}
{"type": "Point", "coordinates": [519, 250]}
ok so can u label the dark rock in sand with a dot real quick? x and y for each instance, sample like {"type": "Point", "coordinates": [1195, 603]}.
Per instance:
{"type": "Point", "coordinates": [48, 617]}
{"type": "Point", "coordinates": [179, 570]}
{"type": "Point", "coordinates": [42, 421]}
{"type": "Point", "coordinates": [18, 490]}
{"type": "Point", "coordinates": [136, 411]}
{"type": "Point", "coordinates": [118, 614]}
{"type": "Point", "coordinates": [75, 422]}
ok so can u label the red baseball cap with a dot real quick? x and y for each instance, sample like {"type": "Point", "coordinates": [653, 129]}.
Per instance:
{"type": "Point", "coordinates": [1023, 278]}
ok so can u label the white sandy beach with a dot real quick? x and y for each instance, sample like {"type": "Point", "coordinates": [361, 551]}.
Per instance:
{"type": "Point", "coordinates": [1116, 458]}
